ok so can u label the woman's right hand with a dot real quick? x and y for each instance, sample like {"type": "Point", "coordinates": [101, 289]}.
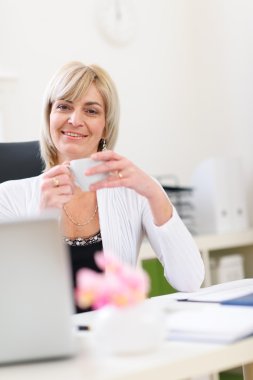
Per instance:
{"type": "Point", "coordinates": [57, 187]}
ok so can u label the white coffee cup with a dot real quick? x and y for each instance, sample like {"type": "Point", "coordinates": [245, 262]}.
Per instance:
{"type": "Point", "coordinates": [79, 167]}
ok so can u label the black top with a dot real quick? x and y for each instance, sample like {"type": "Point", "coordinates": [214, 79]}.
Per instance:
{"type": "Point", "coordinates": [82, 251]}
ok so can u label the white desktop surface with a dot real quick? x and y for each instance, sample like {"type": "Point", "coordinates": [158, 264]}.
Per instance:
{"type": "Point", "coordinates": [173, 360]}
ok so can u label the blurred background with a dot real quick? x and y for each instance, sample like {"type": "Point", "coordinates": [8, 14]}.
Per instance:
{"type": "Point", "coordinates": [183, 69]}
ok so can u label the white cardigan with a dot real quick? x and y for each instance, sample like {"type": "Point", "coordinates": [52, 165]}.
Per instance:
{"type": "Point", "coordinates": [125, 217]}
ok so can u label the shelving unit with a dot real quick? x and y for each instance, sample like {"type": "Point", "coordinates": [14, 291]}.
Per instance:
{"type": "Point", "coordinates": [216, 246]}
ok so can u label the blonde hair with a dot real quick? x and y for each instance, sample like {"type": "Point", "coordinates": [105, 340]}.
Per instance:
{"type": "Point", "coordinates": [70, 82]}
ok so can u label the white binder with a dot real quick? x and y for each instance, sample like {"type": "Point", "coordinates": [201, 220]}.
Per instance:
{"type": "Point", "coordinates": [219, 196]}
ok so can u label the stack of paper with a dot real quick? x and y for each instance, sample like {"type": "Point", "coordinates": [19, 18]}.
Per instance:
{"type": "Point", "coordinates": [212, 323]}
{"type": "Point", "coordinates": [246, 300]}
{"type": "Point", "coordinates": [220, 292]}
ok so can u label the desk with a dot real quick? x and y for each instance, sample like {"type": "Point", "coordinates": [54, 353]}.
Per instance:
{"type": "Point", "coordinates": [173, 361]}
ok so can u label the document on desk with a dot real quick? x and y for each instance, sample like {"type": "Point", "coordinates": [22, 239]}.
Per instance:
{"type": "Point", "coordinates": [220, 292]}
{"type": "Point", "coordinates": [214, 323]}
{"type": "Point", "coordinates": [246, 300]}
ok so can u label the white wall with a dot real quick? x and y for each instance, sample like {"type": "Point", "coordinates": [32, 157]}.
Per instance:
{"type": "Point", "coordinates": [185, 82]}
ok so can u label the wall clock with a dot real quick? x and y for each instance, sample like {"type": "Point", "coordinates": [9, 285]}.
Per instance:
{"type": "Point", "coordinates": [117, 20]}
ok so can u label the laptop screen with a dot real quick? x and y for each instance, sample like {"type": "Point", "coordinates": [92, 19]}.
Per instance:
{"type": "Point", "coordinates": [35, 292]}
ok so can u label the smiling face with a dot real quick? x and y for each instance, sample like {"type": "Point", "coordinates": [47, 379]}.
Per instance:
{"type": "Point", "coordinates": [76, 127]}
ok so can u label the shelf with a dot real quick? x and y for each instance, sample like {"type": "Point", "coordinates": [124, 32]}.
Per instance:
{"type": "Point", "coordinates": [209, 242]}
{"type": "Point", "coordinates": [216, 245]}
{"type": "Point", "coordinates": [223, 241]}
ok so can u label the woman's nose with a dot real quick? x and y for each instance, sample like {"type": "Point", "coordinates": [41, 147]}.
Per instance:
{"type": "Point", "coordinates": [76, 119]}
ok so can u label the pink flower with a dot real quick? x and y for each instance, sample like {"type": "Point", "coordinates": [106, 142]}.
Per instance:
{"type": "Point", "coordinates": [118, 284]}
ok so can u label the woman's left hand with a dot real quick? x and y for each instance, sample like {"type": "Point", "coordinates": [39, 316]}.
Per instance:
{"type": "Point", "coordinates": [121, 173]}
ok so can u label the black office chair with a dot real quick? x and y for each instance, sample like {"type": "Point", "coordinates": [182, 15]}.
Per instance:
{"type": "Point", "coordinates": [20, 160]}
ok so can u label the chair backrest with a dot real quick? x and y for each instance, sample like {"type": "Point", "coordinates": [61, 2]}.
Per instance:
{"type": "Point", "coordinates": [20, 160]}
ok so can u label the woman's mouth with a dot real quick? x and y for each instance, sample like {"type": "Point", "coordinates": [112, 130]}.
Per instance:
{"type": "Point", "coordinates": [73, 135]}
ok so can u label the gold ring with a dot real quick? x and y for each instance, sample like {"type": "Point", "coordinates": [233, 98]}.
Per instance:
{"type": "Point", "coordinates": [120, 175]}
{"type": "Point", "coordinates": [56, 182]}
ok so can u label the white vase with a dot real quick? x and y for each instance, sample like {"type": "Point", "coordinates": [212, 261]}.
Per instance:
{"type": "Point", "coordinates": [129, 330]}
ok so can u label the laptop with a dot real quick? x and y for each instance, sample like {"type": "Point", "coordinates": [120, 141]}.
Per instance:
{"type": "Point", "coordinates": [36, 296]}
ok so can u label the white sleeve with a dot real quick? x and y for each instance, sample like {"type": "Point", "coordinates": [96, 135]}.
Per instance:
{"type": "Point", "coordinates": [19, 198]}
{"type": "Point", "coordinates": [176, 250]}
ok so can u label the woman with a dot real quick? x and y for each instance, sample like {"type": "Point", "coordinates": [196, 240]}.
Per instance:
{"type": "Point", "coordinates": [81, 117]}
